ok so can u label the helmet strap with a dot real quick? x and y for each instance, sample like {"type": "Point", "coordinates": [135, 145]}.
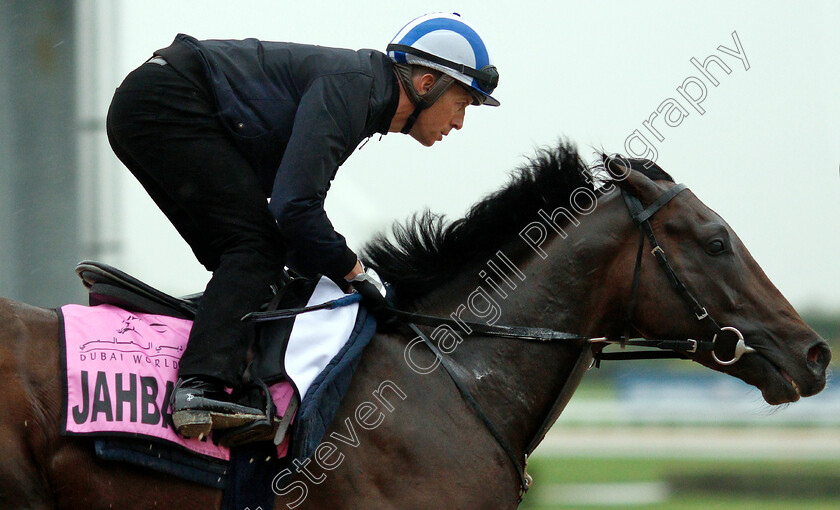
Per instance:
{"type": "Point", "coordinates": [409, 123]}
{"type": "Point", "coordinates": [420, 101]}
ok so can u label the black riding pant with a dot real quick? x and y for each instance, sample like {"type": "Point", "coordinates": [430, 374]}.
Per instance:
{"type": "Point", "coordinates": [164, 128]}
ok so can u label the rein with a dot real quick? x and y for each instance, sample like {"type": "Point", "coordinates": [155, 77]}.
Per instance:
{"type": "Point", "coordinates": [724, 352]}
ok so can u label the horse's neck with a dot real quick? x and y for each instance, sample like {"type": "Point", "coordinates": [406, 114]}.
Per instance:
{"type": "Point", "coordinates": [518, 381]}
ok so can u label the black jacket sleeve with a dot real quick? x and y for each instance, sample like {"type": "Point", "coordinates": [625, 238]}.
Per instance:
{"type": "Point", "coordinates": [329, 122]}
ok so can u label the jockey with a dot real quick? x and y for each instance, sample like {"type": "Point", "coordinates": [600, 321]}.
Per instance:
{"type": "Point", "coordinates": [211, 129]}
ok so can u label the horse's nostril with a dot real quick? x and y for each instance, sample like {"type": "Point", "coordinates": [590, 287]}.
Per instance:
{"type": "Point", "coordinates": [818, 356]}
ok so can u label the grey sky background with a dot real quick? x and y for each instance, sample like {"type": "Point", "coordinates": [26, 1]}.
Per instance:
{"type": "Point", "coordinates": [764, 155]}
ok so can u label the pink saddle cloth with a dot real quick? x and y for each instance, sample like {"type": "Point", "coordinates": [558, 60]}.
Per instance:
{"type": "Point", "coordinates": [120, 369]}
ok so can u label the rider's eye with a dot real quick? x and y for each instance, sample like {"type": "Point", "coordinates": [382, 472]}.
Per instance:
{"type": "Point", "coordinates": [716, 247]}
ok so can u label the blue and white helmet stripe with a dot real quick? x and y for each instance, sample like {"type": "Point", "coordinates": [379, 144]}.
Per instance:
{"type": "Point", "coordinates": [449, 37]}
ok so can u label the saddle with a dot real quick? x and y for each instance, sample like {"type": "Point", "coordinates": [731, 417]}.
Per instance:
{"type": "Point", "coordinates": [108, 285]}
{"type": "Point", "coordinates": [314, 381]}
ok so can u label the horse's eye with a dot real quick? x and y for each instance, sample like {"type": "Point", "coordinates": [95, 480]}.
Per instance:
{"type": "Point", "coordinates": [716, 247]}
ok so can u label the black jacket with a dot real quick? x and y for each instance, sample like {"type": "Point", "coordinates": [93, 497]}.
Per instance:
{"type": "Point", "coordinates": [297, 112]}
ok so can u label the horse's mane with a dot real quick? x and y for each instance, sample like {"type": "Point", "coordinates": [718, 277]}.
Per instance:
{"type": "Point", "coordinates": [429, 250]}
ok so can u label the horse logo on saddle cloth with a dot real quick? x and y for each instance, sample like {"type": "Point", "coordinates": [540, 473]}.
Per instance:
{"type": "Point", "coordinates": [121, 353]}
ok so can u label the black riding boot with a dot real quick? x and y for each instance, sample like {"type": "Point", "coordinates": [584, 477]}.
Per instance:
{"type": "Point", "coordinates": [201, 404]}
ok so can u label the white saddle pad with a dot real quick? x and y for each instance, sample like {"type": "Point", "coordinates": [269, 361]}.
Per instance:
{"type": "Point", "coordinates": [318, 336]}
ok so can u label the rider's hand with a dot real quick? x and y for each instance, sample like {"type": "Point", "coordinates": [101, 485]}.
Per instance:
{"type": "Point", "coordinates": [370, 286]}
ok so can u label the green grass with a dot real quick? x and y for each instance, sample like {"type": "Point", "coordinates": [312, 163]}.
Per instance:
{"type": "Point", "coordinates": [721, 503]}
{"type": "Point", "coordinates": [710, 503]}
{"type": "Point", "coordinates": [594, 470]}
{"type": "Point", "coordinates": [695, 484]}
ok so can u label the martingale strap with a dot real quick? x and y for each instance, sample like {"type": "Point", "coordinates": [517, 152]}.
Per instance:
{"type": "Point", "coordinates": [524, 479]}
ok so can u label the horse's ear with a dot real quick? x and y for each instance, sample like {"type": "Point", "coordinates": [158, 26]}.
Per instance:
{"type": "Point", "coordinates": [631, 181]}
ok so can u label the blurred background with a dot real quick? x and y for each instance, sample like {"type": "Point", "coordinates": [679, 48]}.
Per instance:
{"type": "Point", "coordinates": [763, 153]}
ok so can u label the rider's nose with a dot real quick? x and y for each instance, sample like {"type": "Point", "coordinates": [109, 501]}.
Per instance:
{"type": "Point", "coordinates": [458, 121]}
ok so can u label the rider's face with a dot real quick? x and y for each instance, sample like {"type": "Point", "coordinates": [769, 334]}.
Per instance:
{"type": "Point", "coordinates": [446, 113]}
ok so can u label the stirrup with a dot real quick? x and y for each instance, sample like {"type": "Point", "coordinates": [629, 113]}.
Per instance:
{"type": "Point", "coordinates": [198, 409]}
{"type": "Point", "coordinates": [260, 430]}
{"type": "Point", "coordinates": [190, 423]}
{"type": "Point", "coordinates": [258, 426]}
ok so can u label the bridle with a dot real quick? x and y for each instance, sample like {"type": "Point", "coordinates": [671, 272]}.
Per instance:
{"type": "Point", "coordinates": [726, 344]}
{"type": "Point", "coordinates": [724, 350]}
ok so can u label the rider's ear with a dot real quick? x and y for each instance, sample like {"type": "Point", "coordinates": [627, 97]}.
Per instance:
{"type": "Point", "coordinates": [424, 83]}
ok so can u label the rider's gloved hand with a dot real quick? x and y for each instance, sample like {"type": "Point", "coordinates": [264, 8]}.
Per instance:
{"type": "Point", "coordinates": [370, 286]}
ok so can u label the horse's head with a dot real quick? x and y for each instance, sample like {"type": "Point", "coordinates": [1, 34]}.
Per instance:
{"type": "Point", "coordinates": [789, 359]}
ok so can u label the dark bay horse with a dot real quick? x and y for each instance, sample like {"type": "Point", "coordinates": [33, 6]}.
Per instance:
{"type": "Point", "coordinates": [554, 249]}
